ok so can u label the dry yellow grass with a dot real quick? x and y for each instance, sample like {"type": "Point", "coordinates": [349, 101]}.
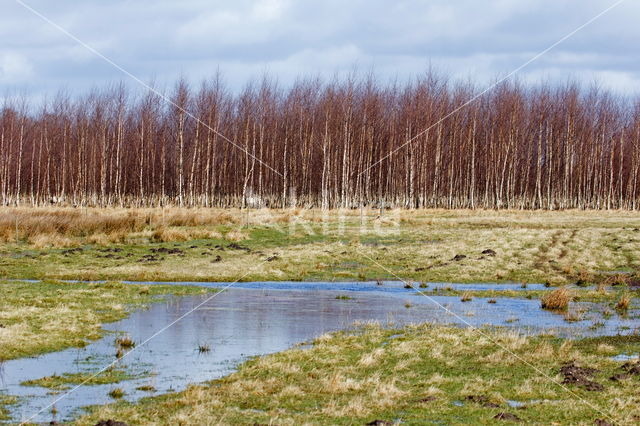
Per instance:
{"type": "Point", "coordinates": [236, 235]}
{"type": "Point", "coordinates": [616, 279]}
{"type": "Point", "coordinates": [623, 303]}
{"type": "Point", "coordinates": [164, 234]}
{"type": "Point", "coordinates": [31, 222]}
{"type": "Point", "coordinates": [557, 300]}
{"type": "Point", "coordinates": [602, 288]}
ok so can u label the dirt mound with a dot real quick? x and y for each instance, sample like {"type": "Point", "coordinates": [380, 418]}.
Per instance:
{"type": "Point", "coordinates": [619, 377]}
{"type": "Point", "coordinates": [482, 400]}
{"type": "Point", "coordinates": [507, 416]}
{"type": "Point", "coordinates": [110, 423]}
{"type": "Point", "coordinates": [580, 376]}
{"type": "Point", "coordinates": [426, 399]}
{"type": "Point", "coordinates": [632, 368]}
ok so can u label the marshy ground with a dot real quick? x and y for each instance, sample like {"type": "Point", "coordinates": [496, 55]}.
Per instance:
{"type": "Point", "coordinates": [415, 374]}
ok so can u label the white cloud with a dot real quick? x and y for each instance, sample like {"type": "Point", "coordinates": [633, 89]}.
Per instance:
{"type": "Point", "coordinates": [14, 68]}
{"type": "Point", "coordinates": [270, 10]}
{"type": "Point", "coordinates": [292, 37]}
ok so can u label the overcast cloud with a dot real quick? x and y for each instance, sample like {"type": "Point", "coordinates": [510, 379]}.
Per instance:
{"type": "Point", "coordinates": [164, 39]}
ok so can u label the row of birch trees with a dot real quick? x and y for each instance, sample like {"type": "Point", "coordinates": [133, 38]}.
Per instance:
{"type": "Point", "coordinates": [343, 143]}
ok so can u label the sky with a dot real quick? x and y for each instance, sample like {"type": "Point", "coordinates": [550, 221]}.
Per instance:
{"type": "Point", "coordinates": [163, 40]}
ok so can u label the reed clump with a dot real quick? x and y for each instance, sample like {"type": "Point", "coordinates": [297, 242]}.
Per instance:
{"type": "Point", "coordinates": [204, 348]}
{"type": "Point", "coordinates": [125, 342]}
{"type": "Point", "coordinates": [602, 288]}
{"type": "Point", "coordinates": [557, 300]}
{"type": "Point", "coordinates": [617, 279]}
{"type": "Point", "coordinates": [116, 393]}
{"type": "Point", "coordinates": [623, 303]}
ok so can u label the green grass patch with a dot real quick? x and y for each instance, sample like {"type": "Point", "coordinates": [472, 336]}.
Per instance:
{"type": "Point", "coordinates": [89, 378]}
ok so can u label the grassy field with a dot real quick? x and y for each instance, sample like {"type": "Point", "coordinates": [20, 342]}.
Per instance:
{"type": "Point", "coordinates": [216, 245]}
{"type": "Point", "coordinates": [417, 375]}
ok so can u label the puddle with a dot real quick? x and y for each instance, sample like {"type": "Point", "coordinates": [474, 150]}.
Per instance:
{"type": "Point", "coordinates": [252, 319]}
{"type": "Point", "coordinates": [625, 357]}
{"type": "Point", "coordinates": [368, 286]}
{"type": "Point", "coordinates": [518, 404]}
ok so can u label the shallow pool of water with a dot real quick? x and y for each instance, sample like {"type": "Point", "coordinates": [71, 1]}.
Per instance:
{"type": "Point", "coordinates": [258, 318]}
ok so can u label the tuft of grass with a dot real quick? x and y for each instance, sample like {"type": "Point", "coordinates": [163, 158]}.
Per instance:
{"type": "Point", "coordinates": [125, 342]}
{"type": "Point", "coordinates": [424, 285]}
{"type": "Point", "coordinates": [617, 279]}
{"type": "Point", "coordinates": [492, 301]}
{"type": "Point", "coordinates": [623, 303]}
{"type": "Point", "coordinates": [408, 285]}
{"type": "Point", "coordinates": [573, 316]}
{"type": "Point", "coordinates": [146, 388]}
{"type": "Point", "coordinates": [584, 277]}
{"type": "Point", "coordinates": [204, 348]}
{"type": "Point", "coordinates": [116, 393]}
{"type": "Point", "coordinates": [602, 288]}
{"type": "Point", "coordinates": [556, 300]}
{"type": "Point", "coordinates": [343, 297]}
{"type": "Point", "coordinates": [466, 297]}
